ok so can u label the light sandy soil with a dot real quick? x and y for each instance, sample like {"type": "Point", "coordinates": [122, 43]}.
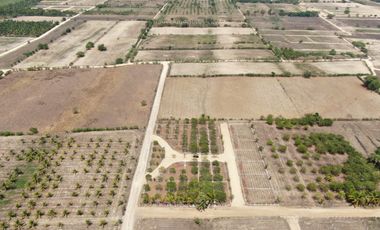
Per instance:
{"type": "Point", "coordinates": [66, 99]}
{"type": "Point", "coordinates": [198, 30]}
{"type": "Point", "coordinates": [235, 68]}
{"type": "Point", "coordinates": [63, 51]}
{"type": "Point", "coordinates": [8, 43]}
{"type": "Point", "coordinates": [244, 97]}
{"type": "Point", "coordinates": [191, 55]}
{"type": "Point", "coordinates": [118, 41]}
{"type": "Point", "coordinates": [37, 18]}
{"type": "Point", "coordinates": [237, 223]}
{"type": "Point", "coordinates": [338, 8]}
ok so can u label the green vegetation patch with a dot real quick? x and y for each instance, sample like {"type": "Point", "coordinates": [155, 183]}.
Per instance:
{"type": "Point", "coordinates": [307, 120]}
{"type": "Point", "coordinates": [25, 29]}
{"type": "Point", "coordinates": [24, 7]}
{"type": "Point", "coordinates": [372, 83]}
{"type": "Point", "coordinates": [360, 177]}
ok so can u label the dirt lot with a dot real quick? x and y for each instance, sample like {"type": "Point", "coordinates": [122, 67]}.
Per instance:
{"type": "Point", "coordinates": [65, 99]}
{"type": "Point", "coordinates": [289, 97]}
{"type": "Point", "coordinates": [339, 223]}
{"type": "Point", "coordinates": [37, 18]}
{"type": "Point", "coordinates": [63, 51]}
{"type": "Point", "coordinates": [118, 37]}
{"type": "Point", "coordinates": [118, 41]}
{"type": "Point", "coordinates": [86, 182]}
{"type": "Point", "coordinates": [260, 68]}
{"type": "Point", "coordinates": [206, 55]}
{"type": "Point", "coordinates": [257, 223]}
{"type": "Point", "coordinates": [338, 8]}
{"type": "Point", "coordinates": [209, 41]}
{"type": "Point", "coordinates": [200, 31]}
{"type": "Point", "coordinates": [8, 43]}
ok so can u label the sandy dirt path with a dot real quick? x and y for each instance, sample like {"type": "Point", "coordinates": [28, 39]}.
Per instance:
{"type": "Point", "coordinates": [138, 179]}
{"type": "Point", "coordinates": [229, 155]}
{"type": "Point", "coordinates": [250, 211]}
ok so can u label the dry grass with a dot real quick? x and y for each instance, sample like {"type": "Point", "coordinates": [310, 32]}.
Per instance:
{"type": "Point", "coordinates": [239, 97]}
{"type": "Point", "coordinates": [65, 99]}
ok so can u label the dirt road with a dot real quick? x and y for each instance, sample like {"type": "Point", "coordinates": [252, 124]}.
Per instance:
{"type": "Point", "coordinates": [138, 179]}
{"type": "Point", "coordinates": [251, 211]}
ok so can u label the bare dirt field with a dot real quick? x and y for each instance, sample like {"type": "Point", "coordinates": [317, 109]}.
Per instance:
{"type": "Point", "coordinates": [200, 31]}
{"type": "Point", "coordinates": [118, 37]}
{"type": "Point", "coordinates": [257, 223]}
{"type": "Point", "coordinates": [339, 223]}
{"type": "Point", "coordinates": [289, 97]}
{"type": "Point", "coordinates": [61, 100]}
{"type": "Point", "coordinates": [86, 182]}
{"type": "Point", "coordinates": [8, 43]}
{"type": "Point", "coordinates": [118, 41]}
{"type": "Point", "coordinates": [209, 41]}
{"type": "Point", "coordinates": [205, 55]}
{"type": "Point", "coordinates": [63, 51]}
{"type": "Point", "coordinates": [338, 9]}
{"type": "Point", "coordinates": [259, 68]}
{"type": "Point", "coordinates": [37, 18]}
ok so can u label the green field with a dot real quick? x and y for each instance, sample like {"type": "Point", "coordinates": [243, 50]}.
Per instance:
{"type": "Point", "coordinates": [6, 2]}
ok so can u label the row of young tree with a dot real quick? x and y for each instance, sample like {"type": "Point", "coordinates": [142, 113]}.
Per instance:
{"type": "Point", "coordinates": [306, 120]}
{"type": "Point", "coordinates": [299, 13]}
{"type": "Point", "coordinates": [12, 28]}
{"type": "Point", "coordinates": [24, 7]}
{"type": "Point", "coordinates": [361, 177]}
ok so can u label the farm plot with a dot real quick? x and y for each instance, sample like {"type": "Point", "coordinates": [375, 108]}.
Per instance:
{"type": "Point", "coordinates": [308, 41]}
{"type": "Point", "coordinates": [238, 223]}
{"type": "Point", "coordinates": [200, 31]}
{"type": "Point", "coordinates": [339, 223]}
{"type": "Point", "coordinates": [343, 10]}
{"type": "Point", "coordinates": [184, 182]}
{"type": "Point", "coordinates": [118, 41]}
{"type": "Point", "coordinates": [261, 68]}
{"type": "Point", "coordinates": [188, 135]}
{"type": "Point", "coordinates": [257, 185]}
{"type": "Point", "coordinates": [117, 37]}
{"type": "Point", "coordinates": [201, 13]}
{"type": "Point", "coordinates": [68, 181]}
{"type": "Point", "coordinates": [209, 41]}
{"type": "Point", "coordinates": [8, 43]}
{"type": "Point", "coordinates": [204, 55]}
{"type": "Point", "coordinates": [62, 100]}
{"type": "Point", "coordinates": [72, 5]}
{"type": "Point", "coordinates": [37, 18]}
{"type": "Point", "coordinates": [289, 97]}
{"type": "Point", "coordinates": [302, 173]}
{"type": "Point", "coordinates": [142, 9]}
{"type": "Point", "coordinates": [63, 51]}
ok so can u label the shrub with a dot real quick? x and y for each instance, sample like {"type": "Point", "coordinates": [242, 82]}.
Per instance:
{"type": "Point", "coordinates": [289, 163]}
{"type": "Point", "coordinates": [312, 187]}
{"type": "Point", "coordinates": [90, 45]}
{"type": "Point", "coordinates": [102, 47]}
{"type": "Point", "coordinates": [80, 54]}
{"type": "Point", "coordinates": [300, 187]}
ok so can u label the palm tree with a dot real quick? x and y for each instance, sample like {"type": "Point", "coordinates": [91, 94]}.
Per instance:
{"type": "Point", "coordinates": [103, 223]}
{"type": "Point", "coordinates": [88, 223]}
{"type": "Point", "coordinates": [65, 213]}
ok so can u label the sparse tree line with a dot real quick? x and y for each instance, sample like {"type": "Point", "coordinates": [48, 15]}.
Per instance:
{"type": "Point", "coordinates": [306, 120]}
{"type": "Point", "coordinates": [372, 83]}
{"type": "Point", "coordinates": [12, 28]}
{"type": "Point", "coordinates": [24, 7]}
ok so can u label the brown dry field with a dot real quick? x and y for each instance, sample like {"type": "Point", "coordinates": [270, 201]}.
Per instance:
{"type": "Point", "coordinates": [290, 23]}
{"type": "Point", "coordinates": [38, 18]}
{"type": "Point", "coordinates": [338, 8]}
{"type": "Point", "coordinates": [209, 41]}
{"type": "Point", "coordinates": [339, 223]}
{"type": "Point", "coordinates": [194, 55]}
{"type": "Point", "coordinates": [8, 43]}
{"type": "Point", "coordinates": [63, 50]}
{"type": "Point", "coordinates": [118, 41]}
{"type": "Point", "coordinates": [96, 170]}
{"type": "Point", "coordinates": [364, 136]}
{"type": "Point", "coordinates": [266, 68]}
{"type": "Point", "coordinates": [65, 99]}
{"type": "Point", "coordinates": [245, 97]}
{"type": "Point", "coordinates": [256, 223]}
{"type": "Point", "coordinates": [117, 36]}
{"type": "Point", "coordinates": [200, 31]}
